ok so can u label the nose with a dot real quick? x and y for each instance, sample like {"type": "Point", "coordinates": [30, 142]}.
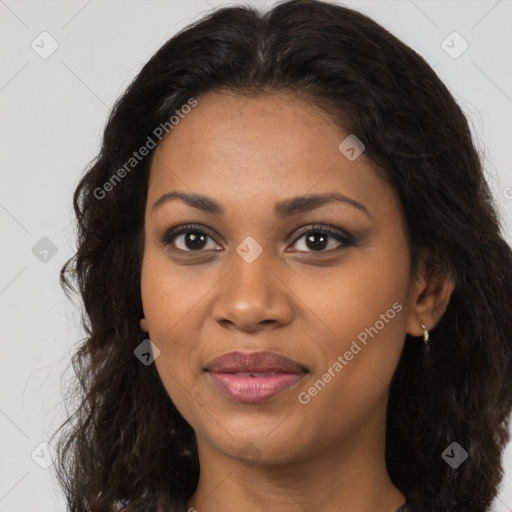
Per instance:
{"type": "Point", "coordinates": [253, 296]}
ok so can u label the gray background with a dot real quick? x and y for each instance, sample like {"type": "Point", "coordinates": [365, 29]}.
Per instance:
{"type": "Point", "coordinates": [53, 111]}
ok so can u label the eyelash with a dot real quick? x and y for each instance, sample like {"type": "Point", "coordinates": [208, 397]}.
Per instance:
{"type": "Point", "coordinates": [345, 239]}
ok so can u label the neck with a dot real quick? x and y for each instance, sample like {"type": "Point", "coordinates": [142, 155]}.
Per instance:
{"type": "Point", "coordinates": [295, 490]}
{"type": "Point", "coordinates": [348, 477]}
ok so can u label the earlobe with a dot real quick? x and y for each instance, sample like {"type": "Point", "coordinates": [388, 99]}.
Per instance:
{"type": "Point", "coordinates": [143, 325]}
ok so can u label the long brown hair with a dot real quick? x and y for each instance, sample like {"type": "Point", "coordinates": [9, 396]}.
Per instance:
{"type": "Point", "coordinates": [127, 447]}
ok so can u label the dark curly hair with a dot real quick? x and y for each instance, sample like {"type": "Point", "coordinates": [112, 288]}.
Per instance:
{"type": "Point", "coordinates": [126, 447]}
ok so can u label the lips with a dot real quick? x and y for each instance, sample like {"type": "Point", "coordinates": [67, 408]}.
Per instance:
{"type": "Point", "coordinates": [254, 377]}
{"type": "Point", "coordinates": [255, 362]}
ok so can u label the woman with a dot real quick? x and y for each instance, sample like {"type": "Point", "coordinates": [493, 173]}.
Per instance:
{"type": "Point", "coordinates": [297, 293]}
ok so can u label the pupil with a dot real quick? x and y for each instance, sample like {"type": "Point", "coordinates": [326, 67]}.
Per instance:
{"type": "Point", "coordinates": [197, 238]}
{"type": "Point", "coordinates": [322, 240]}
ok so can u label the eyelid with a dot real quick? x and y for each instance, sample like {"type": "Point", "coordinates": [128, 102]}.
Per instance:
{"type": "Point", "coordinates": [325, 228]}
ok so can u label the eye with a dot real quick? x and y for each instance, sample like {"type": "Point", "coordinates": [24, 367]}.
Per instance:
{"type": "Point", "coordinates": [189, 238]}
{"type": "Point", "coordinates": [317, 238]}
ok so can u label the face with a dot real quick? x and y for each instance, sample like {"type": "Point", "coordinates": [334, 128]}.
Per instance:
{"type": "Point", "coordinates": [324, 283]}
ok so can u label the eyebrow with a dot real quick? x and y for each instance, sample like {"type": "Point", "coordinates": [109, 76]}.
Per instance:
{"type": "Point", "coordinates": [282, 209]}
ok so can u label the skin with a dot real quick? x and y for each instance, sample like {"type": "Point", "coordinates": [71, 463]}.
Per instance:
{"type": "Point", "coordinates": [247, 154]}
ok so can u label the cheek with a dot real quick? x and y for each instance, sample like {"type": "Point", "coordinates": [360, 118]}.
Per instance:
{"type": "Point", "coordinates": [172, 305]}
{"type": "Point", "coordinates": [172, 298]}
{"type": "Point", "coordinates": [367, 324]}
{"type": "Point", "coordinates": [361, 294]}
{"type": "Point", "coordinates": [362, 358]}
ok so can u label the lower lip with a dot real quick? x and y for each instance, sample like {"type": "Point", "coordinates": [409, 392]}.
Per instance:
{"type": "Point", "coordinates": [251, 390]}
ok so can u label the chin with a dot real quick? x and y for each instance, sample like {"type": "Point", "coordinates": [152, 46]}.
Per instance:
{"type": "Point", "coordinates": [263, 446]}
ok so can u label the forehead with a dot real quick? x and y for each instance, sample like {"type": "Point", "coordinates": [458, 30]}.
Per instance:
{"type": "Point", "coordinates": [261, 147]}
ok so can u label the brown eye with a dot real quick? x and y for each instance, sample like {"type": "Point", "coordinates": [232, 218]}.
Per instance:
{"type": "Point", "coordinates": [317, 239]}
{"type": "Point", "coordinates": [189, 239]}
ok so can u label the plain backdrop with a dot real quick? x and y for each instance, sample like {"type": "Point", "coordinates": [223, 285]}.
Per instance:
{"type": "Point", "coordinates": [53, 110]}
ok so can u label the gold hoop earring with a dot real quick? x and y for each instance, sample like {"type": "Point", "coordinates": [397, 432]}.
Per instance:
{"type": "Point", "coordinates": [425, 334]}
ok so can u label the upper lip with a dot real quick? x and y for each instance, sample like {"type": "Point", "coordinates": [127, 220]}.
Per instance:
{"type": "Point", "coordinates": [254, 362]}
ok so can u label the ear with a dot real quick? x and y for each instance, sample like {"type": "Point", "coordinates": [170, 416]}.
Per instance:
{"type": "Point", "coordinates": [430, 294]}
{"type": "Point", "coordinates": [143, 325]}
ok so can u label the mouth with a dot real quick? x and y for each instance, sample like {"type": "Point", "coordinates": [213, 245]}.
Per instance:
{"type": "Point", "coordinates": [254, 377]}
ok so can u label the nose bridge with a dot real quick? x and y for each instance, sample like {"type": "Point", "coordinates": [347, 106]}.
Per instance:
{"type": "Point", "coordinates": [253, 270]}
{"type": "Point", "coordinates": [252, 295]}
